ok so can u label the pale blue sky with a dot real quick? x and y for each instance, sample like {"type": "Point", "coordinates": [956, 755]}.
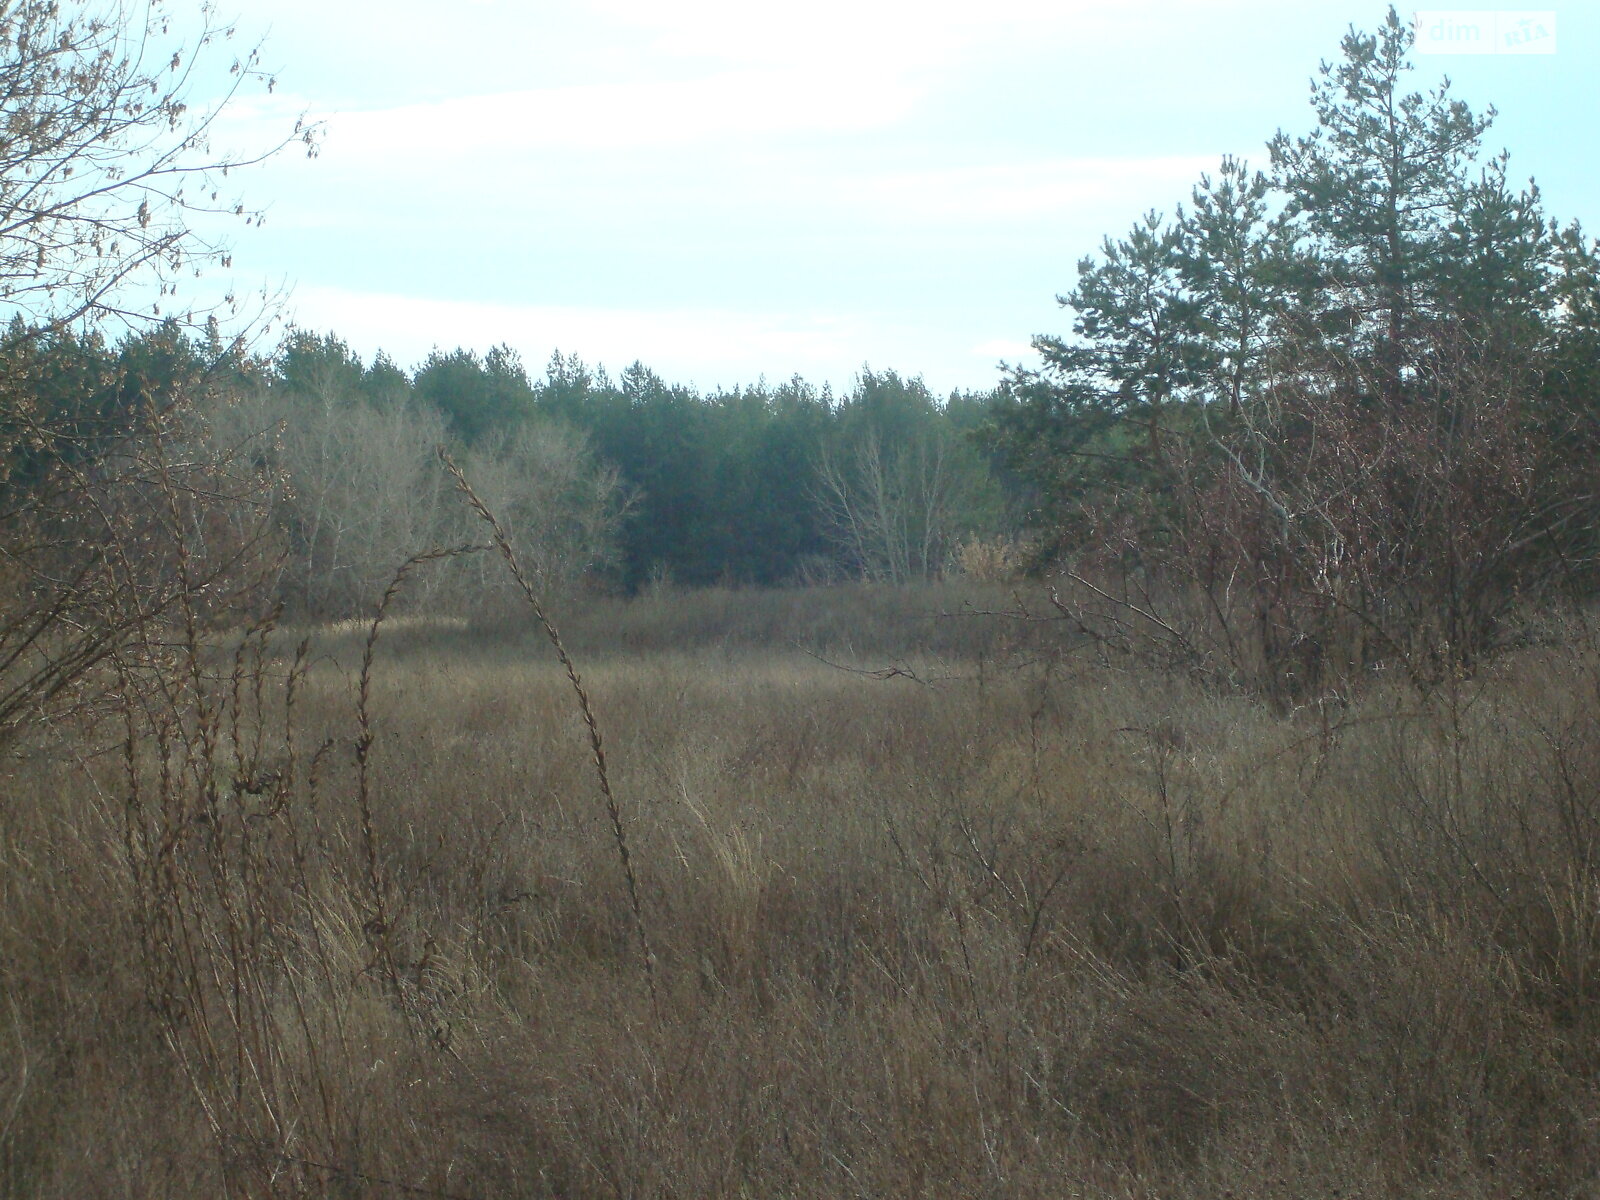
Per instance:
{"type": "Point", "coordinates": [725, 189]}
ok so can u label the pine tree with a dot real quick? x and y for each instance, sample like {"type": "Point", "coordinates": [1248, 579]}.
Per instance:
{"type": "Point", "coordinates": [1374, 190]}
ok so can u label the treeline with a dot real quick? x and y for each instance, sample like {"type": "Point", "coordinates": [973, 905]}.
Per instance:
{"type": "Point", "coordinates": [606, 482]}
{"type": "Point", "coordinates": [1337, 415]}
{"type": "Point", "coordinates": [761, 484]}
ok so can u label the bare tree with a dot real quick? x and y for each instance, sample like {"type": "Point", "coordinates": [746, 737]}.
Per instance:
{"type": "Point", "coordinates": [560, 509]}
{"type": "Point", "coordinates": [895, 510]}
{"type": "Point", "coordinates": [361, 491]}
{"type": "Point", "coordinates": [1322, 532]}
{"type": "Point", "coordinates": [107, 174]}
{"type": "Point", "coordinates": [1409, 532]}
{"type": "Point", "coordinates": [107, 157]}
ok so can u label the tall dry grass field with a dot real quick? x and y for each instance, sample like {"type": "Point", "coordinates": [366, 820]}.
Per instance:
{"type": "Point", "coordinates": [935, 906]}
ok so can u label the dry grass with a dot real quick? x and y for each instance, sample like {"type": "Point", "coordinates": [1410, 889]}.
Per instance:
{"type": "Point", "coordinates": [997, 923]}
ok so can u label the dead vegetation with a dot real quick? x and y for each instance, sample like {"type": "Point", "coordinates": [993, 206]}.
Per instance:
{"type": "Point", "coordinates": [1011, 922]}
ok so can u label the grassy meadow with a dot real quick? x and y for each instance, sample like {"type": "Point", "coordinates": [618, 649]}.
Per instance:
{"type": "Point", "coordinates": [915, 902]}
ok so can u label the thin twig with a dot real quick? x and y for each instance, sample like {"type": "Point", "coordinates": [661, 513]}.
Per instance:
{"type": "Point", "coordinates": [596, 743]}
{"type": "Point", "coordinates": [378, 926]}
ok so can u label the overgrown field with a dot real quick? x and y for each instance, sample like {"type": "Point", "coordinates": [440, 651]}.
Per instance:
{"type": "Point", "coordinates": [922, 906]}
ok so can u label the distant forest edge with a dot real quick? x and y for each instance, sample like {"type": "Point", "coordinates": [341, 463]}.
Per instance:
{"type": "Point", "coordinates": [610, 482]}
{"type": "Point", "coordinates": [1340, 413]}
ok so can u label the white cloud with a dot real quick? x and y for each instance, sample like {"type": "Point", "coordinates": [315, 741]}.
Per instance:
{"type": "Point", "coordinates": [1029, 189]}
{"type": "Point", "coordinates": [677, 343]}
{"type": "Point", "coordinates": [1004, 349]}
{"type": "Point", "coordinates": [926, 176]}
{"type": "Point", "coordinates": [697, 70]}
{"type": "Point", "coordinates": [887, 36]}
{"type": "Point", "coordinates": [621, 115]}
{"type": "Point", "coordinates": [780, 197]}
{"type": "Point", "coordinates": [706, 347]}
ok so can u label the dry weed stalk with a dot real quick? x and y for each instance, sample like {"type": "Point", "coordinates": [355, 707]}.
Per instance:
{"type": "Point", "coordinates": [214, 801]}
{"type": "Point", "coordinates": [596, 744]}
{"type": "Point", "coordinates": [250, 999]}
{"type": "Point", "coordinates": [379, 925]}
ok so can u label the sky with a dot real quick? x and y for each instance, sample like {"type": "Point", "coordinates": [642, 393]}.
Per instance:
{"type": "Point", "coordinates": [728, 190]}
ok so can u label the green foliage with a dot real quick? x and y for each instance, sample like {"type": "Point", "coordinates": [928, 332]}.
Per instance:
{"type": "Point", "coordinates": [719, 488]}
{"type": "Point", "coordinates": [476, 396]}
{"type": "Point", "coordinates": [385, 384]}
{"type": "Point", "coordinates": [726, 487]}
{"type": "Point", "coordinates": [1375, 188]}
{"type": "Point", "coordinates": [1238, 263]}
{"type": "Point", "coordinates": [1357, 392]}
{"type": "Point", "coordinates": [901, 482]}
{"type": "Point", "coordinates": [715, 488]}
{"type": "Point", "coordinates": [67, 398]}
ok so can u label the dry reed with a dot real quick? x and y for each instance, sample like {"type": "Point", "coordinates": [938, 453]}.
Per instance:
{"type": "Point", "coordinates": [1048, 928]}
{"type": "Point", "coordinates": [597, 748]}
